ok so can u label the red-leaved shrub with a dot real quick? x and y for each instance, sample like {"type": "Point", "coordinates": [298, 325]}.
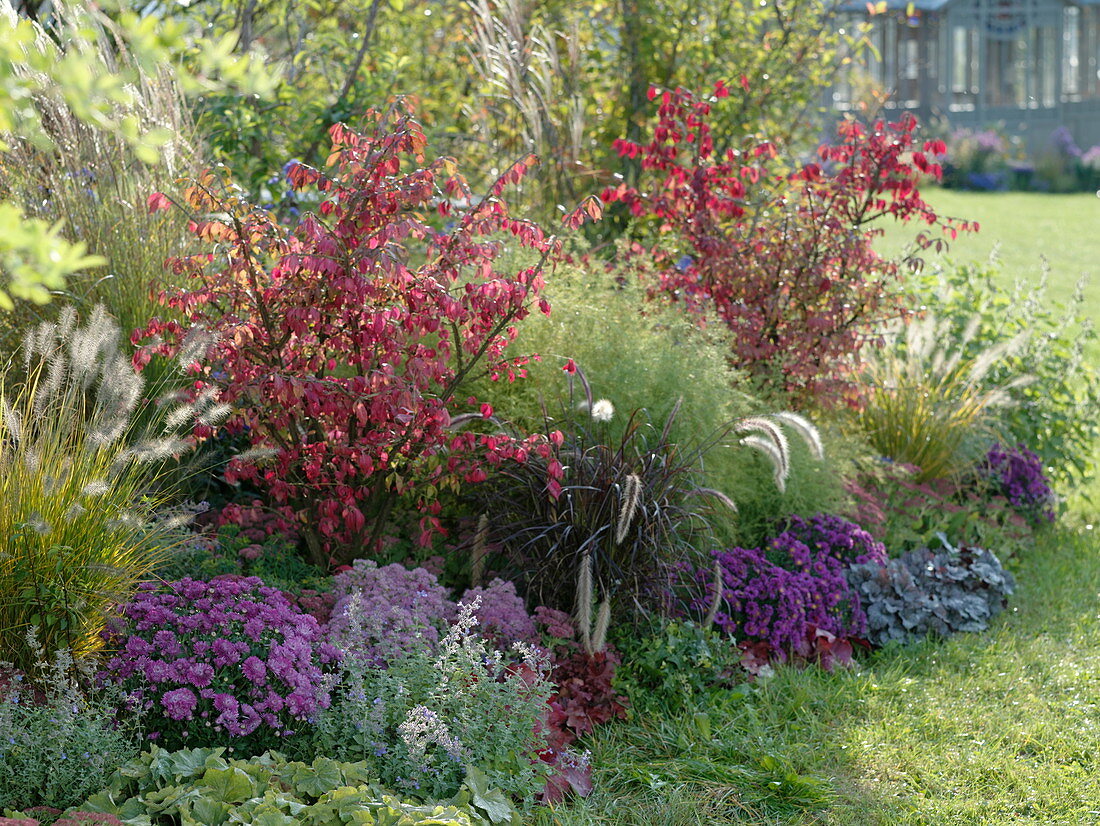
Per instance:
{"type": "Point", "coordinates": [783, 258]}
{"type": "Point", "coordinates": [341, 345]}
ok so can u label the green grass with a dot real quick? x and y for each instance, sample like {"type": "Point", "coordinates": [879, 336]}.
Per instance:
{"type": "Point", "coordinates": [1023, 228]}
{"type": "Point", "coordinates": [992, 728]}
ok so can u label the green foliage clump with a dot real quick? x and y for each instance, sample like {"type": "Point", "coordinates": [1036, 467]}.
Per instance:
{"type": "Point", "coordinates": [273, 559]}
{"type": "Point", "coordinates": [906, 514]}
{"type": "Point", "coordinates": [678, 664]}
{"type": "Point", "coordinates": [201, 786]}
{"type": "Point", "coordinates": [419, 723]}
{"type": "Point", "coordinates": [57, 746]}
{"type": "Point", "coordinates": [1053, 414]}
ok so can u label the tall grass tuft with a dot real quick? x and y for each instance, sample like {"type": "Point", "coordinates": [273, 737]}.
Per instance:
{"type": "Point", "coordinates": [929, 403]}
{"type": "Point", "coordinates": [95, 182]}
{"type": "Point", "coordinates": [79, 524]}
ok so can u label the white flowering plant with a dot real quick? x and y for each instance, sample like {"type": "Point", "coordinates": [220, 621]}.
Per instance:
{"type": "Point", "coordinates": [437, 715]}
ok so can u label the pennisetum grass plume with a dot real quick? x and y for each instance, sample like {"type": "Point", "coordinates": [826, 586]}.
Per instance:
{"type": "Point", "coordinates": [632, 494]}
{"type": "Point", "coordinates": [78, 505]}
{"type": "Point", "coordinates": [584, 600]}
{"type": "Point", "coordinates": [477, 553]}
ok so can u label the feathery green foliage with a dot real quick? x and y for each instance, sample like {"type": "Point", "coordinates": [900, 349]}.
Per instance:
{"type": "Point", "coordinates": [652, 358]}
{"type": "Point", "coordinates": [929, 403]}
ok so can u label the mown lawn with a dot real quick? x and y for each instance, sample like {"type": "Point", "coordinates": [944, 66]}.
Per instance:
{"type": "Point", "coordinates": [994, 728]}
{"type": "Point", "coordinates": [1023, 228]}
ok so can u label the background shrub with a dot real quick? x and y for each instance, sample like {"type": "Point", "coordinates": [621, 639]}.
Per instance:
{"type": "Point", "coordinates": [784, 261]}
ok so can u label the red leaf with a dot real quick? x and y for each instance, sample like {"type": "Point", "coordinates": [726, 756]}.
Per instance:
{"type": "Point", "coordinates": [157, 201]}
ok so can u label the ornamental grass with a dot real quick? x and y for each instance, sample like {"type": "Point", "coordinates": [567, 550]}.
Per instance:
{"type": "Point", "coordinates": [79, 503]}
{"type": "Point", "coordinates": [928, 402]}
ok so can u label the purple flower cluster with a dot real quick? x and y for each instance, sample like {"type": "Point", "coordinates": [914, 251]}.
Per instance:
{"type": "Point", "coordinates": [1063, 144]}
{"type": "Point", "coordinates": [557, 624]}
{"type": "Point", "coordinates": [1017, 473]}
{"type": "Point", "coordinates": [831, 538]}
{"type": "Point", "coordinates": [781, 593]}
{"type": "Point", "coordinates": [384, 613]}
{"type": "Point", "coordinates": [501, 614]}
{"type": "Point", "coordinates": [985, 141]}
{"type": "Point", "coordinates": [207, 661]}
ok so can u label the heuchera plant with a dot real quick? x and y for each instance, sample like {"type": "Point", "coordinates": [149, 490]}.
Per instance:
{"type": "Point", "coordinates": [783, 258]}
{"type": "Point", "coordinates": [226, 661]}
{"type": "Point", "coordinates": [342, 344]}
{"type": "Point", "coordinates": [923, 592]}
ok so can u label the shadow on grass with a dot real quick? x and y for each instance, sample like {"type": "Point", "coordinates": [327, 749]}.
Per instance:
{"type": "Point", "coordinates": [992, 728]}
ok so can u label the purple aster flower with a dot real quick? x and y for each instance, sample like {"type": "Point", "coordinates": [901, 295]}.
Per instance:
{"type": "Point", "coordinates": [179, 704]}
{"type": "Point", "coordinates": [254, 669]}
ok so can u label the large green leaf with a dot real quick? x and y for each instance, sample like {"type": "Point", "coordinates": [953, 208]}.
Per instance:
{"type": "Point", "coordinates": [323, 776]}
{"type": "Point", "coordinates": [231, 785]}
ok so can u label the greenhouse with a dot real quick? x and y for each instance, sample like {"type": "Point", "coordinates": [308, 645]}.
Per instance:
{"type": "Point", "coordinates": [1029, 64]}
